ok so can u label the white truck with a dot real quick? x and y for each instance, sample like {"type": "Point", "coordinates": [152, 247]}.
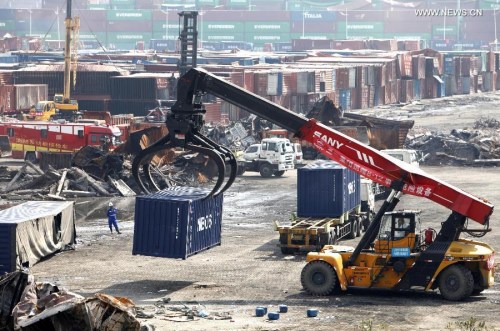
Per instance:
{"type": "Point", "coordinates": [410, 156]}
{"type": "Point", "coordinates": [273, 156]}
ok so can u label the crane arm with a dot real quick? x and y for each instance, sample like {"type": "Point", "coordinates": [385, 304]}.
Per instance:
{"type": "Point", "coordinates": [341, 148]}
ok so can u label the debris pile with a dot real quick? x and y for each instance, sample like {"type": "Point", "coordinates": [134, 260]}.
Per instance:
{"type": "Point", "coordinates": [28, 305]}
{"type": "Point", "coordinates": [30, 181]}
{"type": "Point", "coordinates": [477, 146]}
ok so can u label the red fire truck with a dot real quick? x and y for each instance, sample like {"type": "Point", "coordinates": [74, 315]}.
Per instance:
{"type": "Point", "coordinates": [29, 138]}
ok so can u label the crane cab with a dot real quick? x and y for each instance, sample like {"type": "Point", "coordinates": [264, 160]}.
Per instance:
{"type": "Point", "coordinates": [399, 233]}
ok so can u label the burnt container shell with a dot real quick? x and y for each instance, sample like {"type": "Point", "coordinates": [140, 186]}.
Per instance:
{"type": "Point", "coordinates": [326, 189]}
{"type": "Point", "coordinates": [177, 223]}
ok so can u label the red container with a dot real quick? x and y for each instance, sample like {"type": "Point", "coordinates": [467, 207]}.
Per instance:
{"type": "Point", "coordinates": [213, 112]}
{"type": "Point", "coordinates": [349, 44]}
{"type": "Point", "coordinates": [260, 82]}
{"type": "Point", "coordinates": [405, 65]}
{"type": "Point", "coordinates": [302, 44]}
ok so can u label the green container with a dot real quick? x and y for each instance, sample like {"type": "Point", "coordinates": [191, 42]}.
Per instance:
{"type": "Point", "coordinates": [173, 26]}
{"type": "Point", "coordinates": [129, 15]}
{"type": "Point", "coordinates": [122, 2]}
{"type": "Point", "coordinates": [98, 6]}
{"type": "Point", "coordinates": [125, 6]}
{"type": "Point", "coordinates": [238, 3]}
{"type": "Point", "coordinates": [125, 46]}
{"type": "Point", "coordinates": [7, 25]}
{"type": "Point", "coordinates": [360, 28]}
{"type": "Point", "coordinates": [260, 39]}
{"type": "Point", "coordinates": [222, 26]}
{"type": "Point", "coordinates": [489, 4]}
{"type": "Point", "coordinates": [87, 35]}
{"type": "Point", "coordinates": [208, 2]}
{"type": "Point", "coordinates": [299, 5]}
{"type": "Point", "coordinates": [124, 37]}
{"type": "Point", "coordinates": [266, 27]}
{"type": "Point", "coordinates": [161, 35]}
{"type": "Point", "coordinates": [449, 31]}
{"type": "Point", "coordinates": [223, 36]}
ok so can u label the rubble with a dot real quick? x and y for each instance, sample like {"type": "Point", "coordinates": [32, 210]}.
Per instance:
{"type": "Point", "coordinates": [28, 305]}
{"type": "Point", "coordinates": [94, 173]}
{"type": "Point", "coordinates": [477, 146]}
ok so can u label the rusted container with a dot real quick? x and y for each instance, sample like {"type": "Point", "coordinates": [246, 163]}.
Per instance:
{"type": "Point", "coordinates": [465, 66]}
{"type": "Point", "coordinates": [418, 64]}
{"type": "Point", "coordinates": [365, 97]}
{"type": "Point", "coordinates": [306, 82]}
{"type": "Point", "coordinates": [249, 81]}
{"type": "Point", "coordinates": [213, 112]}
{"type": "Point", "coordinates": [237, 78]}
{"type": "Point", "coordinates": [406, 90]}
{"type": "Point", "coordinates": [349, 44]}
{"type": "Point", "coordinates": [405, 65]}
{"type": "Point", "coordinates": [411, 45]}
{"type": "Point", "coordinates": [355, 98]}
{"type": "Point", "coordinates": [260, 82]}
{"type": "Point", "coordinates": [289, 82]}
{"type": "Point", "coordinates": [387, 95]}
{"type": "Point", "coordinates": [21, 97]}
{"type": "Point", "coordinates": [383, 44]}
{"type": "Point", "coordinates": [342, 78]}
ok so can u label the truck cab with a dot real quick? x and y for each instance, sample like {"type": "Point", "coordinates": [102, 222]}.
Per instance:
{"type": "Point", "coordinates": [273, 156]}
{"type": "Point", "coordinates": [406, 155]}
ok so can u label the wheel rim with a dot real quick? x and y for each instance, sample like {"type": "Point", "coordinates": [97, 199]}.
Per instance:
{"type": "Point", "coordinates": [452, 283]}
{"type": "Point", "coordinates": [318, 278]}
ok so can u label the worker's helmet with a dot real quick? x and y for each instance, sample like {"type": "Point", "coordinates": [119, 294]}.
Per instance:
{"type": "Point", "coordinates": [110, 204]}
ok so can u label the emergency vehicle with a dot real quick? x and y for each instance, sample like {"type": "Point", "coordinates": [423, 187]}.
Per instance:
{"type": "Point", "coordinates": [29, 138]}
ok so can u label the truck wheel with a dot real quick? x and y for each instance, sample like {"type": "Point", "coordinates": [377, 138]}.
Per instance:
{"type": "Point", "coordinates": [359, 221]}
{"type": "Point", "coordinates": [354, 229]}
{"type": "Point", "coordinates": [284, 241]}
{"type": "Point", "coordinates": [319, 278]}
{"type": "Point", "coordinates": [240, 170]}
{"type": "Point", "coordinates": [327, 239]}
{"type": "Point", "coordinates": [266, 170]}
{"type": "Point", "coordinates": [456, 283]}
{"type": "Point", "coordinates": [279, 173]}
{"type": "Point", "coordinates": [30, 156]}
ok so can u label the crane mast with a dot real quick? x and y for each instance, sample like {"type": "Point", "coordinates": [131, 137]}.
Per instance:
{"type": "Point", "coordinates": [72, 26]}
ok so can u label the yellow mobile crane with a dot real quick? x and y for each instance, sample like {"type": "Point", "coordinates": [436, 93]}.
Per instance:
{"type": "Point", "coordinates": [62, 107]}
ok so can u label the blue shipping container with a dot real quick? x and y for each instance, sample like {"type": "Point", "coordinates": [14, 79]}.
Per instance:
{"type": "Point", "coordinates": [449, 64]}
{"type": "Point", "coordinates": [326, 189]}
{"type": "Point", "coordinates": [33, 230]}
{"type": "Point", "coordinates": [176, 223]}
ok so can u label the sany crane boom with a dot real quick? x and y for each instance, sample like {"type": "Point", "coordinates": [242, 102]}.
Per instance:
{"type": "Point", "coordinates": [186, 119]}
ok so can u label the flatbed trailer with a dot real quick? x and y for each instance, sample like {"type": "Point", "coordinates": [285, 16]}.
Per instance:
{"type": "Point", "coordinates": [311, 233]}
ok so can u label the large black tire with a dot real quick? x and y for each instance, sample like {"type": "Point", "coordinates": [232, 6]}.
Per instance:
{"type": "Point", "coordinates": [279, 173]}
{"type": "Point", "coordinates": [360, 225]}
{"type": "Point", "coordinates": [30, 156]}
{"type": "Point", "coordinates": [266, 170]}
{"type": "Point", "coordinates": [319, 278]}
{"type": "Point", "coordinates": [284, 241]}
{"type": "Point", "coordinates": [354, 229]}
{"type": "Point", "coordinates": [456, 283]}
{"type": "Point", "coordinates": [327, 239]}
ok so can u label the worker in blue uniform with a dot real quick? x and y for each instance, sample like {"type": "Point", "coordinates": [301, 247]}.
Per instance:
{"type": "Point", "coordinates": [112, 221]}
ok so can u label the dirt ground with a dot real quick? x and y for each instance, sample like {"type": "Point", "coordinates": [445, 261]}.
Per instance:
{"type": "Point", "coordinates": [248, 269]}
